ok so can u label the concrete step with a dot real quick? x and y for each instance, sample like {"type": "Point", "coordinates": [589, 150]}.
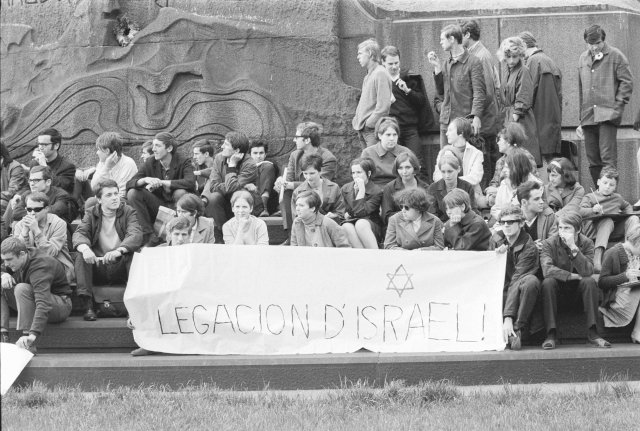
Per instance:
{"type": "Point", "coordinates": [567, 364]}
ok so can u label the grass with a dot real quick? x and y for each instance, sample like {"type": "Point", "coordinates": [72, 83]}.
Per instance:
{"type": "Point", "coordinates": [355, 406]}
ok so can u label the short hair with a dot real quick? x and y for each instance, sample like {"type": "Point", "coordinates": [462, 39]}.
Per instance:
{"type": "Point", "coordinates": [633, 235]}
{"type": "Point", "coordinates": [511, 210]}
{"type": "Point", "coordinates": [519, 166]}
{"type": "Point", "coordinates": [367, 165]}
{"type": "Point", "coordinates": [449, 159]}
{"type": "Point", "coordinates": [384, 123]}
{"type": "Point", "coordinates": [457, 197]}
{"type": "Point", "coordinates": [310, 130]}
{"type": "Point", "coordinates": [528, 39]}
{"type": "Point", "coordinates": [463, 127]}
{"type": "Point", "coordinates": [594, 34]}
{"type": "Point", "coordinates": [258, 144]}
{"type": "Point", "coordinates": [6, 156]}
{"type": "Point", "coordinates": [147, 146]}
{"type": "Point", "coordinates": [453, 30]}
{"type": "Point", "coordinates": [472, 27]}
{"type": "Point", "coordinates": [13, 245]}
{"type": "Point", "coordinates": [413, 198]}
{"type": "Point", "coordinates": [311, 161]}
{"type": "Point", "coordinates": [47, 173]}
{"type": "Point", "coordinates": [242, 194]}
{"type": "Point", "coordinates": [56, 137]}
{"type": "Point", "coordinates": [192, 203]}
{"type": "Point", "coordinates": [312, 198]}
{"type": "Point", "coordinates": [110, 141]}
{"type": "Point", "coordinates": [511, 46]}
{"type": "Point", "coordinates": [38, 197]}
{"type": "Point", "coordinates": [610, 172]}
{"type": "Point", "coordinates": [514, 134]}
{"type": "Point", "coordinates": [104, 184]}
{"type": "Point", "coordinates": [180, 222]}
{"type": "Point", "coordinates": [238, 141]}
{"type": "Point", "coordinates": [524, 189]}
{"type": "Point", "coordinates": [389, 50]}
{"type": "Point", "coordinates": [572, 218]}
{"type": "Point", "coordinates": [565, 168]}
{"type": "Point", "coordinates": [167, 139]}
{"type": "Point", "coordinates": [404, 157]}
{"type": "Point", "coordinates": [371, 46]}
{"type": "Point", "coordinates": [203, 146]}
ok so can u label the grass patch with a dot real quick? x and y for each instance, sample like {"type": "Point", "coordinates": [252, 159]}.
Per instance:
{"type": "Point", "coordinates": [354, 406]}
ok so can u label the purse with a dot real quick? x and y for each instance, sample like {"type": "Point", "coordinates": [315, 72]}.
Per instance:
{"type": "Point", "coordinates": [109, 301]}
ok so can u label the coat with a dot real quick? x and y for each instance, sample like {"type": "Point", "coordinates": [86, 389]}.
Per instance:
{"type": "Point", "coordinates": [492, 117]}
{"type": "Point", "coordinates": [332, 201]}
{"type": "Point", "coordinates": [126, 224]}
{"type": "Point", "coordinates": [389, 205]}
{"type": "Point", "coordinates": [569, 199]}
{"type": "Point", "coordinates": [471, 233]}
{"type": "Point", "coordinates": [557, 261]}
{"type": "Point", "coordinates": [547, 100]}
{"type": "Point", "coordinates": [385, 162]}
{"type": "Point", "coordinates": [438, 190]}
{"type": "Point", "coordinates": [517, 92]}
{"type": "Point", "coordinates": [180, 173]}
{"type": "Point", "coordinates": [203, 233]}
{"type": "Point", "coordinates": [64, 173]}
{"type": "Point", "coordinates": [294, 168]}
{"type": "Point", "coordinates": [13, 180]}
{"type": "Point", "coordinates": [402, 236]}
{"type": "Point", "coordinates": [60, 204]}
{"type": "Point", "coordinates": [327, 233]}
{"type": "Point", "coordinates": [368, 207]}
{"type": "Point", "coordinates": [522, 257]}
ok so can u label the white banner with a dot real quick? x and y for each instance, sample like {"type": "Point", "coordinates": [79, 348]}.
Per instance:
{"type": "Point", "coordinates": [224, 299]}
{"type": "Point", "coordinates": [13, 361]}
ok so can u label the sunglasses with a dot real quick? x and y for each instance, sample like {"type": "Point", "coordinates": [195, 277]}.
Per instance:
{"type": "Point", "coordinates": [34, 210]}
{"type": "Point", "coordinates": [508, 222]}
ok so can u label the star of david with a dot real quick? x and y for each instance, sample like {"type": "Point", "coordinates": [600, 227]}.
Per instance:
{"type": "Point", "coordinates": [398, 275]}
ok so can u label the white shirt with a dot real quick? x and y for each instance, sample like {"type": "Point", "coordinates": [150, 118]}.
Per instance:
{"type": "Point", "coordinates": [123, 171]}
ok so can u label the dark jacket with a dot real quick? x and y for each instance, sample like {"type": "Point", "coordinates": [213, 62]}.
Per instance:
{"type": "Point", "coordinates": [126, 224]}
{"type": "Point", "coordinates": [60, 204]}
{"type": "Point", "coordinates": [226, 180]}
{"type": "Point", "coordinates": [46, 275]}
{"type": "Point", "coordinates": [332, 201]}
{"type": "Point", "coordinates": [546, 224]}
{"type": "Point", "coordinates": [389, 206]}
{"type": "Point", "coordinates": [412, 109]}
{"type": "Point", "coordinates": [522, 257]}
{"type": "Point", "coordinates": [294, 169]}
{"type": "Point", "coordinates": [557, 261]}
{"type": "Point", "coordinates": [471, 233]}
{"type": "Point", "coordinates": [180, 173]}
{"type": "Point", "coordinates": [438, 190]}
{"type": "Point", "coordinates": [13, 180]}
{"type": "Point", "coordinates": [614, 265]}
{"type": "Point", "coordinates": [368, 207]}
{"type": "Point", "coordinates": [402, 236]}
{"type": "Point", "coordinates": [64, 173]}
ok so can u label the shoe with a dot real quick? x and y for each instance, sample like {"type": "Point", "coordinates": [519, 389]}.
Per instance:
{"type": "Point", "coordinates": [633, 340]}
{"type": "Point", "coordinates": [514, 341]}
{"type": "Point", "coordinates": [4, 337]}
{"type": "Point", "coordinates": [598, 342]}
{"type": "Point", "coordinates": [90, 315]}
{"type": "Point", "coordinates": [141, 352]}
{"type": "Point", "coordinates": [549, 344]}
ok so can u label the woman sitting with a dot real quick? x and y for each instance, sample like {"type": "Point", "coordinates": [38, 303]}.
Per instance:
{"type": "Point", "coordinates": [329, 192]}
{"type": "Point", "coordinates": [362, 198]}
{"type": "Point", "coordinates": [449, 167]}
{"type": "Point", "coordinates": [384, 153]}
{"type": "Point", "coordinates": [312, 229]}
{"type": "Point", "coordinates": [564, 192]}
{"type": "Point", "coordinates": [459, 133]}
{"type": "Point", "coordinates": [518, 171]}
{"type": "Point", "coordinates": [621, 303]}
{"type": "Point", "coordinates": [413, 228]}
{"type": "Point", "coordinates": [244, 228]}
{"type": "Point", "coordinates": [406, 170]}
{"type": "Point", "coordinates": [201, 228]}
{"type": "Point", "coordinates": [465, 230]}
{"type": "Point", "coordinates": [512, 136]}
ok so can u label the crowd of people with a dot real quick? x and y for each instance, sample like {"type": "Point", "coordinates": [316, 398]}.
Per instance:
{"type": "Point", "coordinates": [499, 183]}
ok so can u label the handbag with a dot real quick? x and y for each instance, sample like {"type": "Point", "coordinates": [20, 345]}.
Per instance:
{"type": "Point", "coordinates": [109, 301]}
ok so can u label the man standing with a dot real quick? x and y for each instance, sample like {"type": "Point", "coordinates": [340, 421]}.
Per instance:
{"type": "Point", "coordinates": [605, 85]}
{"type": "Point", "coordinates": [376, 97]}
{"type": "Point", "coordinates": [106, 239]}
{"type": "Point", "coordinates": [36, 285]}
{"type": "Point", "coordinates": [163, 179]}
{"type": "Point", "coordinates": [521, 287]}
{"type": "Point", "coordinates": [46, 154]}
{"type": "Point", "coordinates": [547, 96]}
{"type": "Point", "coordinates": [539, 219]}
{"type": "Point", "coordinates": [491, 119]}
{"type": "Point", "coordinates": [411, 106]}
{"type": "Point", "coordinates": [459, 82]}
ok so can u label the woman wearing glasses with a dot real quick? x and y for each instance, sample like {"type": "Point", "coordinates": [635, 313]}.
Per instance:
{"type": "Point", "coordinates": [413, 228]}
{"type": "Point", "coordinates": [201, 228]}
{"type": "Point", "coordinates": [244, 228]}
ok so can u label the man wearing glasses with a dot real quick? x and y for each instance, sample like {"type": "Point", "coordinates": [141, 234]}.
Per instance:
{"type": "Point", "coordinates": [521, 287]}
{"type": "Point", "coordinates": [40, 180]}
{"type": "Point", "coordinates": [106, 239]}
{"type": "Point", "coordinates": [46, 154]}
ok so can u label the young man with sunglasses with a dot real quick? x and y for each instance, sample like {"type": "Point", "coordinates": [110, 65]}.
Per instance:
{"type": "Point", "coordinates": [521, 286]}
{"type": "Point", "coordinates": [47, 154]}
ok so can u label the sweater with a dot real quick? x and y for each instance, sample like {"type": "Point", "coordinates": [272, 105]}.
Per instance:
{"type": "Point", "coordinates": [375, 100]}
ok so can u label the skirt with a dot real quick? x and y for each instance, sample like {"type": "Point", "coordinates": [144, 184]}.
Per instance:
{"type": "Point", "coordinates": [621, 311]}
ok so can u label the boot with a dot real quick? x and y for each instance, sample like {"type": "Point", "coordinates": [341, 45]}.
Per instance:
{"type": "Point", "coordinates": [597, 260]}
{"type": "Point", "coordinates": [89, 315]}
